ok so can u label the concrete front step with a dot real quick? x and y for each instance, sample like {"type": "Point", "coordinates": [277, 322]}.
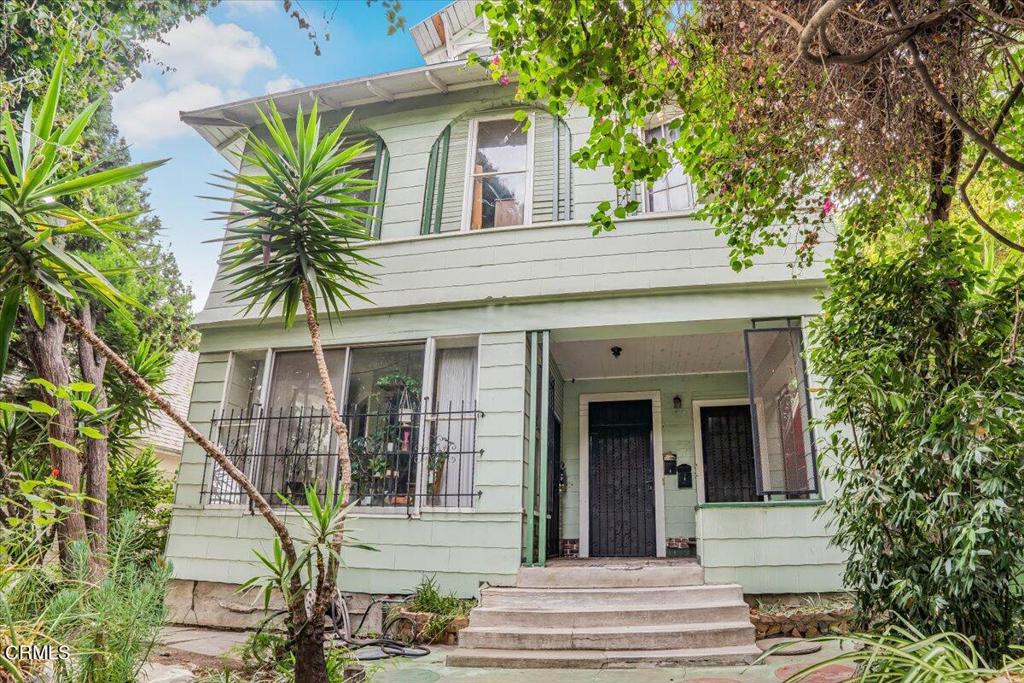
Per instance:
{"type": "Point", "coordinates": [567, 616]}
{"type": "Point", "coordinates": [657, 637]}
{"type": "Point", "coordinates": [609, 598]}
{"type": "Point", "coordinates": [602, 659]}
{"type": "Point", "coordinates": [612, 575]}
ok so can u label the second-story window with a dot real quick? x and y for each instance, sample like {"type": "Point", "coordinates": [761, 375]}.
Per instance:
{"type": "Point", "coordinates": [499, 191]}
{"type": "Point", "coordinates": [674, 191]}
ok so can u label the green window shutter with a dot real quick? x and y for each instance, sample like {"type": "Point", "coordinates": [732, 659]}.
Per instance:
{"type": "Point", "coordinates": [442, 173]}
{"type": "Point", "coordinates": [381, 161]}
{"type": "Point", "coordinates": [433, 188]}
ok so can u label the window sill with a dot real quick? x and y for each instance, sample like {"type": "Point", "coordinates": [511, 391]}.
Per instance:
{"type": "Point", "coordinates": [763, 504]}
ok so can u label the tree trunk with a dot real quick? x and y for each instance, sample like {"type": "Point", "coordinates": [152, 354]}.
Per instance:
{"type": "Point", "coordinates": [314, 667]}
{"type": "Point", "coordinates": [325, 591]}
{"type": "Point", "coordinates": [310, 663]}
{"type": "Point", "coordinates": [97, 451]}
{"type": "Point", "coordinates": [46, 346]}
{"type": "Point", "coordinates": [332, 404]}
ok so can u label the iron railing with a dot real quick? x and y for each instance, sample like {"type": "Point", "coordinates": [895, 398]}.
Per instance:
{"type": "Point", "coordinates": [401, 459]}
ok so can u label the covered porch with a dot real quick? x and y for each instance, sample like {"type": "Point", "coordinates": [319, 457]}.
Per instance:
{"type": "Point", "coordinates": [646, 446]}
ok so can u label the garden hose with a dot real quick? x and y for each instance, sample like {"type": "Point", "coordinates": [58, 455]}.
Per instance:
{"type": "Point", "coordinates": [375, 648]}
{"type": "Point", "coordinates": [369, 649]}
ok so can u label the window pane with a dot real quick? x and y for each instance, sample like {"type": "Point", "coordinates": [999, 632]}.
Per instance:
{"type": "Point", "coordinates": [500, 147]}
{"type": "Point", "coordinates": [778, 394]}
{"type": "Point", "coordinates": [383, 405]}
{"type": "Point", "coordinates": [451, 441]}
{"type": "Point", "coordinates": [296, 382]}
{"type": "Point", "coordinates": [366, 166]}
{"type": "Point", "coordinates": [673, 192]}
{"type": "Point", "coordinates": [299, 447]}
{"type": "Point", "coordinates": [498, 200]}
{"type": "Point", "coordinates": [246, 382]}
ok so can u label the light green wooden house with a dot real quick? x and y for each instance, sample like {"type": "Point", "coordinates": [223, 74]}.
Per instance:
{"type": "Point", "coordinates": [518, 390]}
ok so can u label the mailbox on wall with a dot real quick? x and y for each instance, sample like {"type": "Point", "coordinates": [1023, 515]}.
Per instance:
{"type": "Point", "coordinates": [684, 477]}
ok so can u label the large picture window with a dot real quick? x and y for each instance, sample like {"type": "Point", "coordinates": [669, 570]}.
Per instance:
{"type": "Point", "coordinates": [499, 189]}
{"type": "Point", "coordinates": [409, 408]}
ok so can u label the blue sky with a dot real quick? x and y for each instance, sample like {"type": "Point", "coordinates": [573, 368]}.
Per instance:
{"type": "Point", "coordinates": [242, 48]}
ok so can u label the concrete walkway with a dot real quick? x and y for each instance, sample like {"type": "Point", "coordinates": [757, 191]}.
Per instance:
{"type": "Point", "coordinates": [184, 650]}
{"type": "Point", "coordinates": [431, 669]}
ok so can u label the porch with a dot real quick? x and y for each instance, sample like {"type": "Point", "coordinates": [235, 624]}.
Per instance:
{"type": "Point", "coordinates": [646, 446]}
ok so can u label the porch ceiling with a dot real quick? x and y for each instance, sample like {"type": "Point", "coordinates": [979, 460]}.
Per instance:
{"type": "Point", "coordinates": [646, 356]}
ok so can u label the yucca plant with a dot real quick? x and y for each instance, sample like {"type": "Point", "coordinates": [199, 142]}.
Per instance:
{"type": "Point", "coordinates": [38, 181]}
{"type": "Point", "coordinates": [294, 235]}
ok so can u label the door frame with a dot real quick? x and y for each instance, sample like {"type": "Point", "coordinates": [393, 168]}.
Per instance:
{"type": "Point", "coordinates": [698, 443]}
{"type": "Point", "coordinates": [659, 486]}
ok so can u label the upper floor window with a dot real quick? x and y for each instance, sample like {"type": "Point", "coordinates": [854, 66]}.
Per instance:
{"type": "Point", "coordinates": [674, 191]}
{"type": "Point", "coordinates": [499, 190]}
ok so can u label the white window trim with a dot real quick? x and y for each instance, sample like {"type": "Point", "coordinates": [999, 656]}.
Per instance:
{"type": "Point", "coordinates": [467, 200]}
{"type": "Point", "coordinates": [659, 489]}
{"type": "Point", "coordinates": [698, 443]}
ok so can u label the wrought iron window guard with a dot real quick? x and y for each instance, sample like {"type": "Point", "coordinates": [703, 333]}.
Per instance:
{"type": "Point", "coordinates": [401, 459]}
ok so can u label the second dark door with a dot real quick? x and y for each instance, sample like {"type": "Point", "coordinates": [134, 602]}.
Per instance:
{"type": "Point", "coordinates": [728, 442]}
{"type": "Point", "coordinates": [621, 479]}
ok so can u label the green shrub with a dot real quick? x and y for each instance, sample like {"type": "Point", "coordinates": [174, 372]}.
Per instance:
{"type": "Point", "coordinates": [136, 484]}
{"type": "Point", "coordinates": [922, 354]}
{"type": "Point", "coordinates": [110, 623]}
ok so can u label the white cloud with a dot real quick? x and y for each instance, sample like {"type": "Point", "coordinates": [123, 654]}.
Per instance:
{"type": "Point", "coordinates": [146, 114]}
{"type": "Point", "coordinates": [238, 8]}
{"type": "Point", "coordinates": [208, 62]}
{"type": "Point", "coordinates": [282, 83]}
{"type": "Point", "coordinates": [213, 53]}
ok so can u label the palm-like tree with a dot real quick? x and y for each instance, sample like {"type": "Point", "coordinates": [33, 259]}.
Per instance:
{"type": "Point", "coordinates": [39, 180]}
{"type": "Point", "coordinates": [295, 230]}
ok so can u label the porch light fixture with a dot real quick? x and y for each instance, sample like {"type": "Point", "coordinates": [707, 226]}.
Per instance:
{"type": "Point", "coordinates": [677, 402]}
{"type": "Point", "coordinates": [616, 351]}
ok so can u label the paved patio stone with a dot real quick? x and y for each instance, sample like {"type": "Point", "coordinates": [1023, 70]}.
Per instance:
{"type": "Point", "coordinates": [201, 646]}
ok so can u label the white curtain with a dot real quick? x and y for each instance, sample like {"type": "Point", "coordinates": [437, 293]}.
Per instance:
{"type": "Point", "coordinates": [454, 429]}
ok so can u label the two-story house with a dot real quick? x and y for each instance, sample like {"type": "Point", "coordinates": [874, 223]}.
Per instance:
{"type": "Point", "coordinates": [519, 392]}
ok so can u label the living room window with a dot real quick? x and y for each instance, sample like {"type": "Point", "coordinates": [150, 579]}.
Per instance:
{"type": "Point", "coordinates": [499, 183]}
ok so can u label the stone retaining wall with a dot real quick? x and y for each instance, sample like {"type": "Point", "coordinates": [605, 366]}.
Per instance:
{"type": "Point", "coordinates": [801, 624]}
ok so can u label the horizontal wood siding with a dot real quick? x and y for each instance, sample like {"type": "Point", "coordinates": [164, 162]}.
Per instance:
{"type": "Point", "coordinates": [552, 261]}
{"type": "Point", "coordinates": [207, 390]}
{"type": "Point", "coordinates": [780, 548]}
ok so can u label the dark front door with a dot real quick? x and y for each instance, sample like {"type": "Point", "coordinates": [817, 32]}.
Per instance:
{"type": "Point", "coordinates": [621, 479]}
{"type": "Point", "coordinates": [728, 445]}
